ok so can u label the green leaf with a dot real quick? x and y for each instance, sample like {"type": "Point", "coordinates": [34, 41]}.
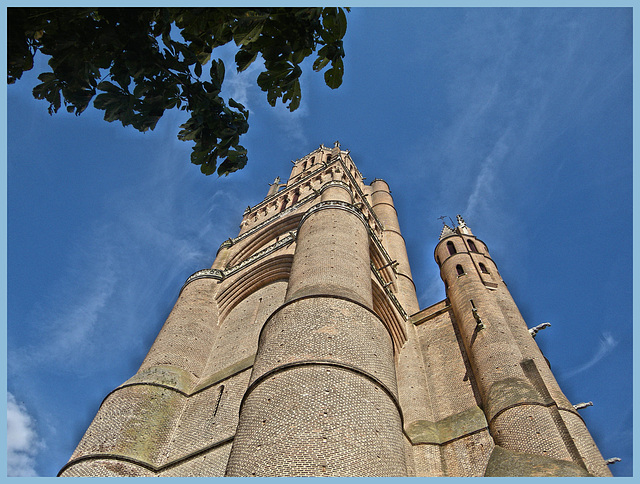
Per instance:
{"type": "Point", "coordinates": [217, 71]}
{"type": "Point", "coordinates": [203, 57]}
{"type": "Point", "coordinates": [333, 77]}
{"type": "Point", "coordinates": [108, 87]}
{"type": "Point", "coordinates": [247, 32]}
{"type": "Point", "coordinates": [244, 59]}
{"type": "Point", "coordinates": [237, 105]}
{"type": "Point", "coordinates": [340, 25]}
{"type": "Point", "coordinates": [301, 54]}
{"type": "Point", "coordinates": [320, 63]}
{"type": "Point", "coordinates": [47, 77]}
{"type": "Point", "coordinates": [235, 160]}
{"type": "Point", "coordinates": [295, 95]}
{"type": "Point", "coordinates": [140, 90]}
{"type": "Point", "coordinates": [136, 51]}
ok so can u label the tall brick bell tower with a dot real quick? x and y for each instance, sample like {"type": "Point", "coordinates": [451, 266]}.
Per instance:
{"type": "Point", "coordinates": [302, 351]}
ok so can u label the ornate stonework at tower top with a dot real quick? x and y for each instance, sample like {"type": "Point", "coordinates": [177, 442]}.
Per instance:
{"type": "Point", "coordinates": [460, 229]}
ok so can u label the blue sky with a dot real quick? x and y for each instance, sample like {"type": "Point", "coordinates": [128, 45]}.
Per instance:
{"type": "Point", "coordinates": [518, 119]}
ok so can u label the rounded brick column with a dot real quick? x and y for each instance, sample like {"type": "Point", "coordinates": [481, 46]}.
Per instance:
{"type": "Point", "coordinates": [522, 414]}
{"type": "Point", "coordinates": [322, 400]}
{"type": "Point", "coordinates": [336, 190]}
{"type": "Point", "coordinates": [185, 339]}
{"type": "Point", "coordinates": [393, 242]}
{"type": "Point", "coordinates": [132, 431]}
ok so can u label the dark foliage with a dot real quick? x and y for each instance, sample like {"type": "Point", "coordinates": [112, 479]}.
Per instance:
{"type": "Point", "coordinates": [130, 63]}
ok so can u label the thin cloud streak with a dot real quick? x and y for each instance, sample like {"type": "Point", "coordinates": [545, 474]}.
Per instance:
{"type": "Point", "coordinates": [72, 310]}
{"type": "Point", "coordinates": [100, 300]}
{"type": "Point", "coordinates": [507, 109]}
{"type": "Point", "coordinates": [607, 345]}
{"type": "Point", "coordinates": [432, 293]}
{"type": "Point", "coordinates": [242, 87]}
{"type": "Point", "coordinates": [508, 89]}
{"type": "Point", "coordinates": [292, 124]}
{"type": "Point", "coordinates": [482, 194]}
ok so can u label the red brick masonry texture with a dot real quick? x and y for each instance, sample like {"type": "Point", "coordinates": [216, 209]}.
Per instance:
{"type": "Point", "coordinates": [303, 352]}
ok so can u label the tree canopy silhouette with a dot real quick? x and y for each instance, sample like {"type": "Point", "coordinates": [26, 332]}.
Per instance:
{"type": "Point", "coordinates": [135, 63]}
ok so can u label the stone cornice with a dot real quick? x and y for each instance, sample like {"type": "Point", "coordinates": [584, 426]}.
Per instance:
{"type": "Point", "coordinates": [334, 204]}
{"type": "Point", "coordinates": [220, 275]}
{"type": "Point", "coordinates": [273, 218]}
{"type": "Point", "coordinates": [424, 318]}
{"type": "Point", "coordinates": [336, 183]}
{"type": "Point", "coordinates": [146, 465]}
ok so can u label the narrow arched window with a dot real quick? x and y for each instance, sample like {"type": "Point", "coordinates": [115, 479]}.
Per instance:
{"type": "Point", "coordinates": [483, 268]}
{"type": "Point", "coordinates": [438, 260]}
{"type": "Point", "coordinates": [472, 246]}
{"type": "Point", "coordinates": [328, 158]}
{"type": "Point", "coordinates": [451, 247]}
{"type": "Point", "coordinates": [296, 194]}
{"type": "Point", "coordinates": [460, 270]}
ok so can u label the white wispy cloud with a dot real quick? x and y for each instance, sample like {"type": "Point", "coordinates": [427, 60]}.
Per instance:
{"type": "Point", "coordinates": [68, 314]}
{"type": "Point", "coordinates": [606, 346]}
{"type": "Point", "coordinates": [514, 83]}
{"type": "Point", "coordinates": [23, 443]}
{"type": "Point", "coordinates": [243, 88]}
{"type": "Point", "coordinates": [153, 228]}
{"type": "Point", "coordinates": [292, 124]}
{"type": "Point", "coordinates": [432, 292]}
{"type": "Point", "coordinates": [482, 192]}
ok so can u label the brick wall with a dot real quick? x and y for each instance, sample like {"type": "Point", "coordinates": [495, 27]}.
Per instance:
{"type": "Point", "coordinates": [303, 352]}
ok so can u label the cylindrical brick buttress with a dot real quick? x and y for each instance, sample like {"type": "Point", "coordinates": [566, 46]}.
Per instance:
{"type": "Point", "coordinates": [132, 429]}
{"type": "Point", "coordinates": [393, 242]}
{"type": "Point", "coordinates": [322, 400]}
{"type": "Point", "coordinates": [522, 414]}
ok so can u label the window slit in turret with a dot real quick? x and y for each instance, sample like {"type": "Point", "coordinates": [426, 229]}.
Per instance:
{"type": "Point", "coordinates": [451, 247]}
{"type": "Point", "coordinates": [460, 270]}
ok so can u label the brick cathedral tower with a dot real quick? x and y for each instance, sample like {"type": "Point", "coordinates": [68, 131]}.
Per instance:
{"type": "Point", "coordinates": [302, 352]}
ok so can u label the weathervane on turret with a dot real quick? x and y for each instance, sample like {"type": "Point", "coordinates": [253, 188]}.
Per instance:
{"type": "Point", "coordinates": [445, 223]}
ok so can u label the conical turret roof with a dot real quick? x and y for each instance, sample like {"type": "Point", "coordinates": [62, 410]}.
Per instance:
{"type": "Point", "coordinates": [446, 231]}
